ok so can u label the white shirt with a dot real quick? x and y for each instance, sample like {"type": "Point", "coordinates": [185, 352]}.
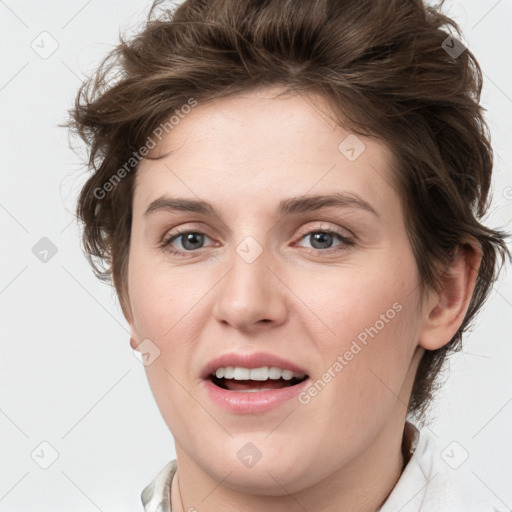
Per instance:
{"type": "Point", "coordinates": [427, 484]}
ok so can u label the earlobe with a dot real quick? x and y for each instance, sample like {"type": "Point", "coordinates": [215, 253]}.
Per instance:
{"type": "Point", "coordinates": [127, 312]}
{"type": "Point", "coordinates": [134, 343]}
{"type": "Point", "coordinates": [445, 310]}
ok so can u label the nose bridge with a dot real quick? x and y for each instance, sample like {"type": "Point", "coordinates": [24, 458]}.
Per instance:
{"type": "Point", "coordinates": [250, 292]}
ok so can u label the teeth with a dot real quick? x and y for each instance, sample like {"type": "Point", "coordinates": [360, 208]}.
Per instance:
{"type": "Point", "coordinates": [241, 373]}
{"type": "Point", "coordinates": [258, 374]}
{"type": "Point", "coordinates": [274, 373]}
{"type": "Point", "coordinates": [253, 390]}
{"type": "Point", "coordinates": [262, 373]}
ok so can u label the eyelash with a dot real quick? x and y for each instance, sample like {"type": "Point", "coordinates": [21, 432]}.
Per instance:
{"type": "Point", "coordinates": [346, 241]}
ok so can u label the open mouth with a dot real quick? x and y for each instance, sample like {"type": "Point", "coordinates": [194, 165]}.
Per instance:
{"type": "Point", "coordinates": [255, 385]}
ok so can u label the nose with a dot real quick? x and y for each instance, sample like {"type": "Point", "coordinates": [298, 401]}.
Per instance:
{"type": "Point", "coordinates": [251, 295]}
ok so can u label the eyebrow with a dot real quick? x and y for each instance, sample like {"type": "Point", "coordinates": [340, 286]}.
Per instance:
{"type": "Point", "coordinates": [300, 204]}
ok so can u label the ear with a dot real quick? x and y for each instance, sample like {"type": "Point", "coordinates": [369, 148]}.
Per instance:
{"type": "Point", "coordinates": [134, 343]}
{"type": "Point", "coordinates": [127, 312]}
{"type": "Point", "coordinates": [446, 309]}
{"type": "Point", "coordinates": [134, 339]}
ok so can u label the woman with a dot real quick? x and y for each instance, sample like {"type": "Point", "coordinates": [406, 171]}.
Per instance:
{"type": "Point", "coordinates": [287, 196]}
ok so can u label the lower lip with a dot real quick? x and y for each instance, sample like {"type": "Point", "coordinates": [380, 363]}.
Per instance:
{"type": "Point", "coordinates": [253, 402]}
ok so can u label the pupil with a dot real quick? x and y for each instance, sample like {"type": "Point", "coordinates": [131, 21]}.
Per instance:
{"type": "Point", "coordinates": [321, 237]}
{"type": "Point", "coordinates": [189, 237]}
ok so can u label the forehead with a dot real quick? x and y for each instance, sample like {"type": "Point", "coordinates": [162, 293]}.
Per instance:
{"type": "Point", "coordinates": [256, 147]}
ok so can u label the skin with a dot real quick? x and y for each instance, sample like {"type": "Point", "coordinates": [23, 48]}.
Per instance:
{"type": "Point", "coordinates": [244, 154]}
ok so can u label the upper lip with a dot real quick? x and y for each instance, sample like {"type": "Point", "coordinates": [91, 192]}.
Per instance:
{"type": "Point", "coordinates": [255, 360]}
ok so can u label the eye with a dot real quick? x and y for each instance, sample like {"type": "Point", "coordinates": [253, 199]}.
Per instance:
{"type": "Point", "coordinates": [323, 239]}
{"type": "Point", "coordinates": [190, 241]}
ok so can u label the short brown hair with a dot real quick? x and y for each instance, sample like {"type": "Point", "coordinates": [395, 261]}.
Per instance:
{"type": "Point", "coordinates": [386, 70]}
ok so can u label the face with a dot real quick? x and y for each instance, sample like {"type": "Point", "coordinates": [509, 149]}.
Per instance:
{"type": "Point", "coordinates": [330, 288]}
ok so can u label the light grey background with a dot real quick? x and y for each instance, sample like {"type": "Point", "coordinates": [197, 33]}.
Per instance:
{"type": "Point", "coordinates": [68, 375]}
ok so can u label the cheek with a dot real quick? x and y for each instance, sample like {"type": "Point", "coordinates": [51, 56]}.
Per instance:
{"type": "Point", "coordinates": [157, 297]}
{"type": "Point", "coordinates": [358, 299]}
{"type": "Point", "coordinates": [164, 314]}
{"type": "Point", "coordinates": [367, 328]}
{"type": "Point", "coordinates": [165, 305]}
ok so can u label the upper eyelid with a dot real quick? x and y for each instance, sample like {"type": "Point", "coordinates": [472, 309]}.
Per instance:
{"type": "Point", "coordinates": [196, 227]}
{"type": "Point", "coordinates": [302, 232]}
{"type": "Point", "coordinates": [342, 231]}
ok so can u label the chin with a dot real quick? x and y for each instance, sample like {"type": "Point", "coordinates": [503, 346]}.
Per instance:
{"type": "Point", "coordinates": [259, 466]}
